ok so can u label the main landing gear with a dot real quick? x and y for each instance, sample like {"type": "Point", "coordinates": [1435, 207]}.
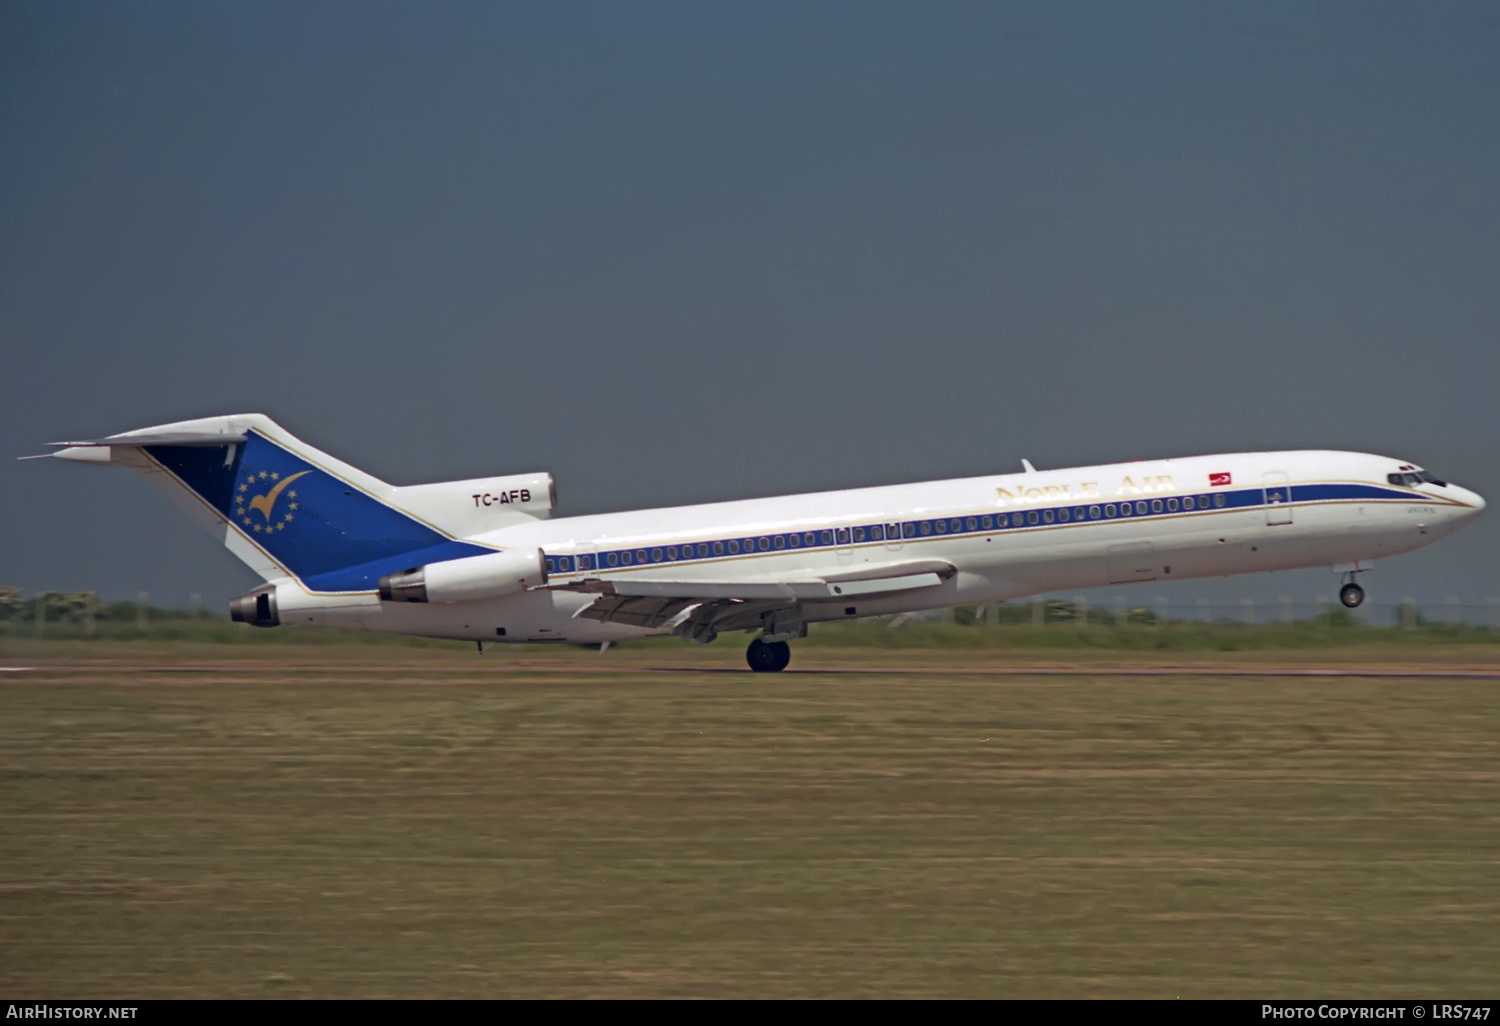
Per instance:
{"type": "Point", "coordinates": [768, 656]}
{"type": "Point", "coordinates": [1351, 595]}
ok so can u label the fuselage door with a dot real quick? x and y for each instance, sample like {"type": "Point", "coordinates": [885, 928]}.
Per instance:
{"type": "Point", "coordinates": [893, 536]}
{"type": "Point", "coordinates": [1278, 497]}
{"type": "Point", "coordinates": [843, 545]}
{"type": "Point", "coordinates": [585, 560]}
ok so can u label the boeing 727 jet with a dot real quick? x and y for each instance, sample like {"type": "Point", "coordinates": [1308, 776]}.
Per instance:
{"type": "Point", "coordinates": [484, 560]}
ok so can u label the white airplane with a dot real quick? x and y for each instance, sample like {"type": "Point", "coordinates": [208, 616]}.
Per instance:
{"type": "Point", "coordinates": [483, 561]}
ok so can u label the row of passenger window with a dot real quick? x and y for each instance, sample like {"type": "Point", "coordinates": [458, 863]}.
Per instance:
{"type": "Point", "coordinates": [877, 532]}
{"type": "Point", "coordinates": [728, 547]}
{"type": "Point", "coordinates": [1061, 515]}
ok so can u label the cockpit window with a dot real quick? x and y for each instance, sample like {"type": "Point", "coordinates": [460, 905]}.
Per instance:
{"type": "Point", "coordinates": [1412, 480]}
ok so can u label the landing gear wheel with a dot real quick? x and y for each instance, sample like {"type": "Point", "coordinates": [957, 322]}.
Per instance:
{"type": "Point", "coordinates": [768, 657]}
{"type": "Point", "coordinates": [1351, 595]}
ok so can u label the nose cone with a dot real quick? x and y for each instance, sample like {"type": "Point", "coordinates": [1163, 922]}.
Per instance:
{"type": "Point", "coordinates": [1473, 502]}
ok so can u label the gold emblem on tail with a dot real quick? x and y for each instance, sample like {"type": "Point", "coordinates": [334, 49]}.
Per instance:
{"type": "Point", "coordinates": [267, 502]}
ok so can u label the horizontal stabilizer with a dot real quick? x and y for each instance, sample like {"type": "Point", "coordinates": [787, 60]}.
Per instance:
{"type": "Point", "coordinates": [149, 437]}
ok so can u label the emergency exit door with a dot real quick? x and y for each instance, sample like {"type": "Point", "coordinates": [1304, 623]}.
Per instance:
{"type": "Point", "coordinates": [1278, 498]}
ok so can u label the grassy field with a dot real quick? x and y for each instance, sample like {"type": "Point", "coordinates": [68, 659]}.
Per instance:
{"type": "Point", "coordinates": [331, 820]}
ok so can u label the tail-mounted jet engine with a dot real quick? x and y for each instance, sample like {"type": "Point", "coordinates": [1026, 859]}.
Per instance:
{"type": "Point", "coordinates": [257, 608]}
{"type": "Point", "coordinates": [467, 580]}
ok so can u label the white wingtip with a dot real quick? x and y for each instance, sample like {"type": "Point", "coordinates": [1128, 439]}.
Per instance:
{"type": "Point", "coordinates": [1029, 468]}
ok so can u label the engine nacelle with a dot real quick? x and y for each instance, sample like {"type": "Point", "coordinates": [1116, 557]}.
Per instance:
{"type": "Point", "coordinates": [467, 580]}
{"type": "Point", "coordinates": [284, 604]}
{"type": "Point", "coordinates": [257, 608]}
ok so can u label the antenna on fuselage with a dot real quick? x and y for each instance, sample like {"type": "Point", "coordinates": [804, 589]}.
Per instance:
{"type": "Point", "coordinates": [1029, 468]}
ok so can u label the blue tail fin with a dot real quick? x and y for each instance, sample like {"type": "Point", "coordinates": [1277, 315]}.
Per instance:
{"type": "Point", "coordinates": [283, 507]}
{"type": "Point", "coordinates": [323, 530]}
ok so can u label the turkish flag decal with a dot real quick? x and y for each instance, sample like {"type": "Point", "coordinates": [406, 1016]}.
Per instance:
{"type": "Point", "coordinates": [1218, 480]}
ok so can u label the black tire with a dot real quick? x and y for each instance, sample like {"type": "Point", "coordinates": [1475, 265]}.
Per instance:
{"type": "Point", "coordinates": [1351, 595]}
{"type": "Point", "coordinates": [768, 657]}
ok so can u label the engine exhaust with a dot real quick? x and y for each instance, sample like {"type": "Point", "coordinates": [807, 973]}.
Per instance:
{"type": "Point", "coordinates": [257, 608]}
{"type": "Point", "coordinates": [407, 586]}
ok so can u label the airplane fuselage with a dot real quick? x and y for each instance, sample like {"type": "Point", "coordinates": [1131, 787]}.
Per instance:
{"type": "Point", "coordinates": [483, 560]}
{"type": "Point", "coordinates": [1003, 536]}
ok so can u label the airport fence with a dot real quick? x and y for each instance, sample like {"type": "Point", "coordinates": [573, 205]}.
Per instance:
{"type": "Point", "coordinates": [81, 614]}
{"type": "Point", "coordinates": [1080, 610]}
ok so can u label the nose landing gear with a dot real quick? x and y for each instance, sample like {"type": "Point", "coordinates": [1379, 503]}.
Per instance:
{"type": "Point", "coordinates": [1351, 594]}
{"type": "Point", "coordinates": [768, 656]}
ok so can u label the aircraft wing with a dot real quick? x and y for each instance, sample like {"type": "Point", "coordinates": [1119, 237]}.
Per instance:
{"type": "Point", "coordinates": [698, 605]}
